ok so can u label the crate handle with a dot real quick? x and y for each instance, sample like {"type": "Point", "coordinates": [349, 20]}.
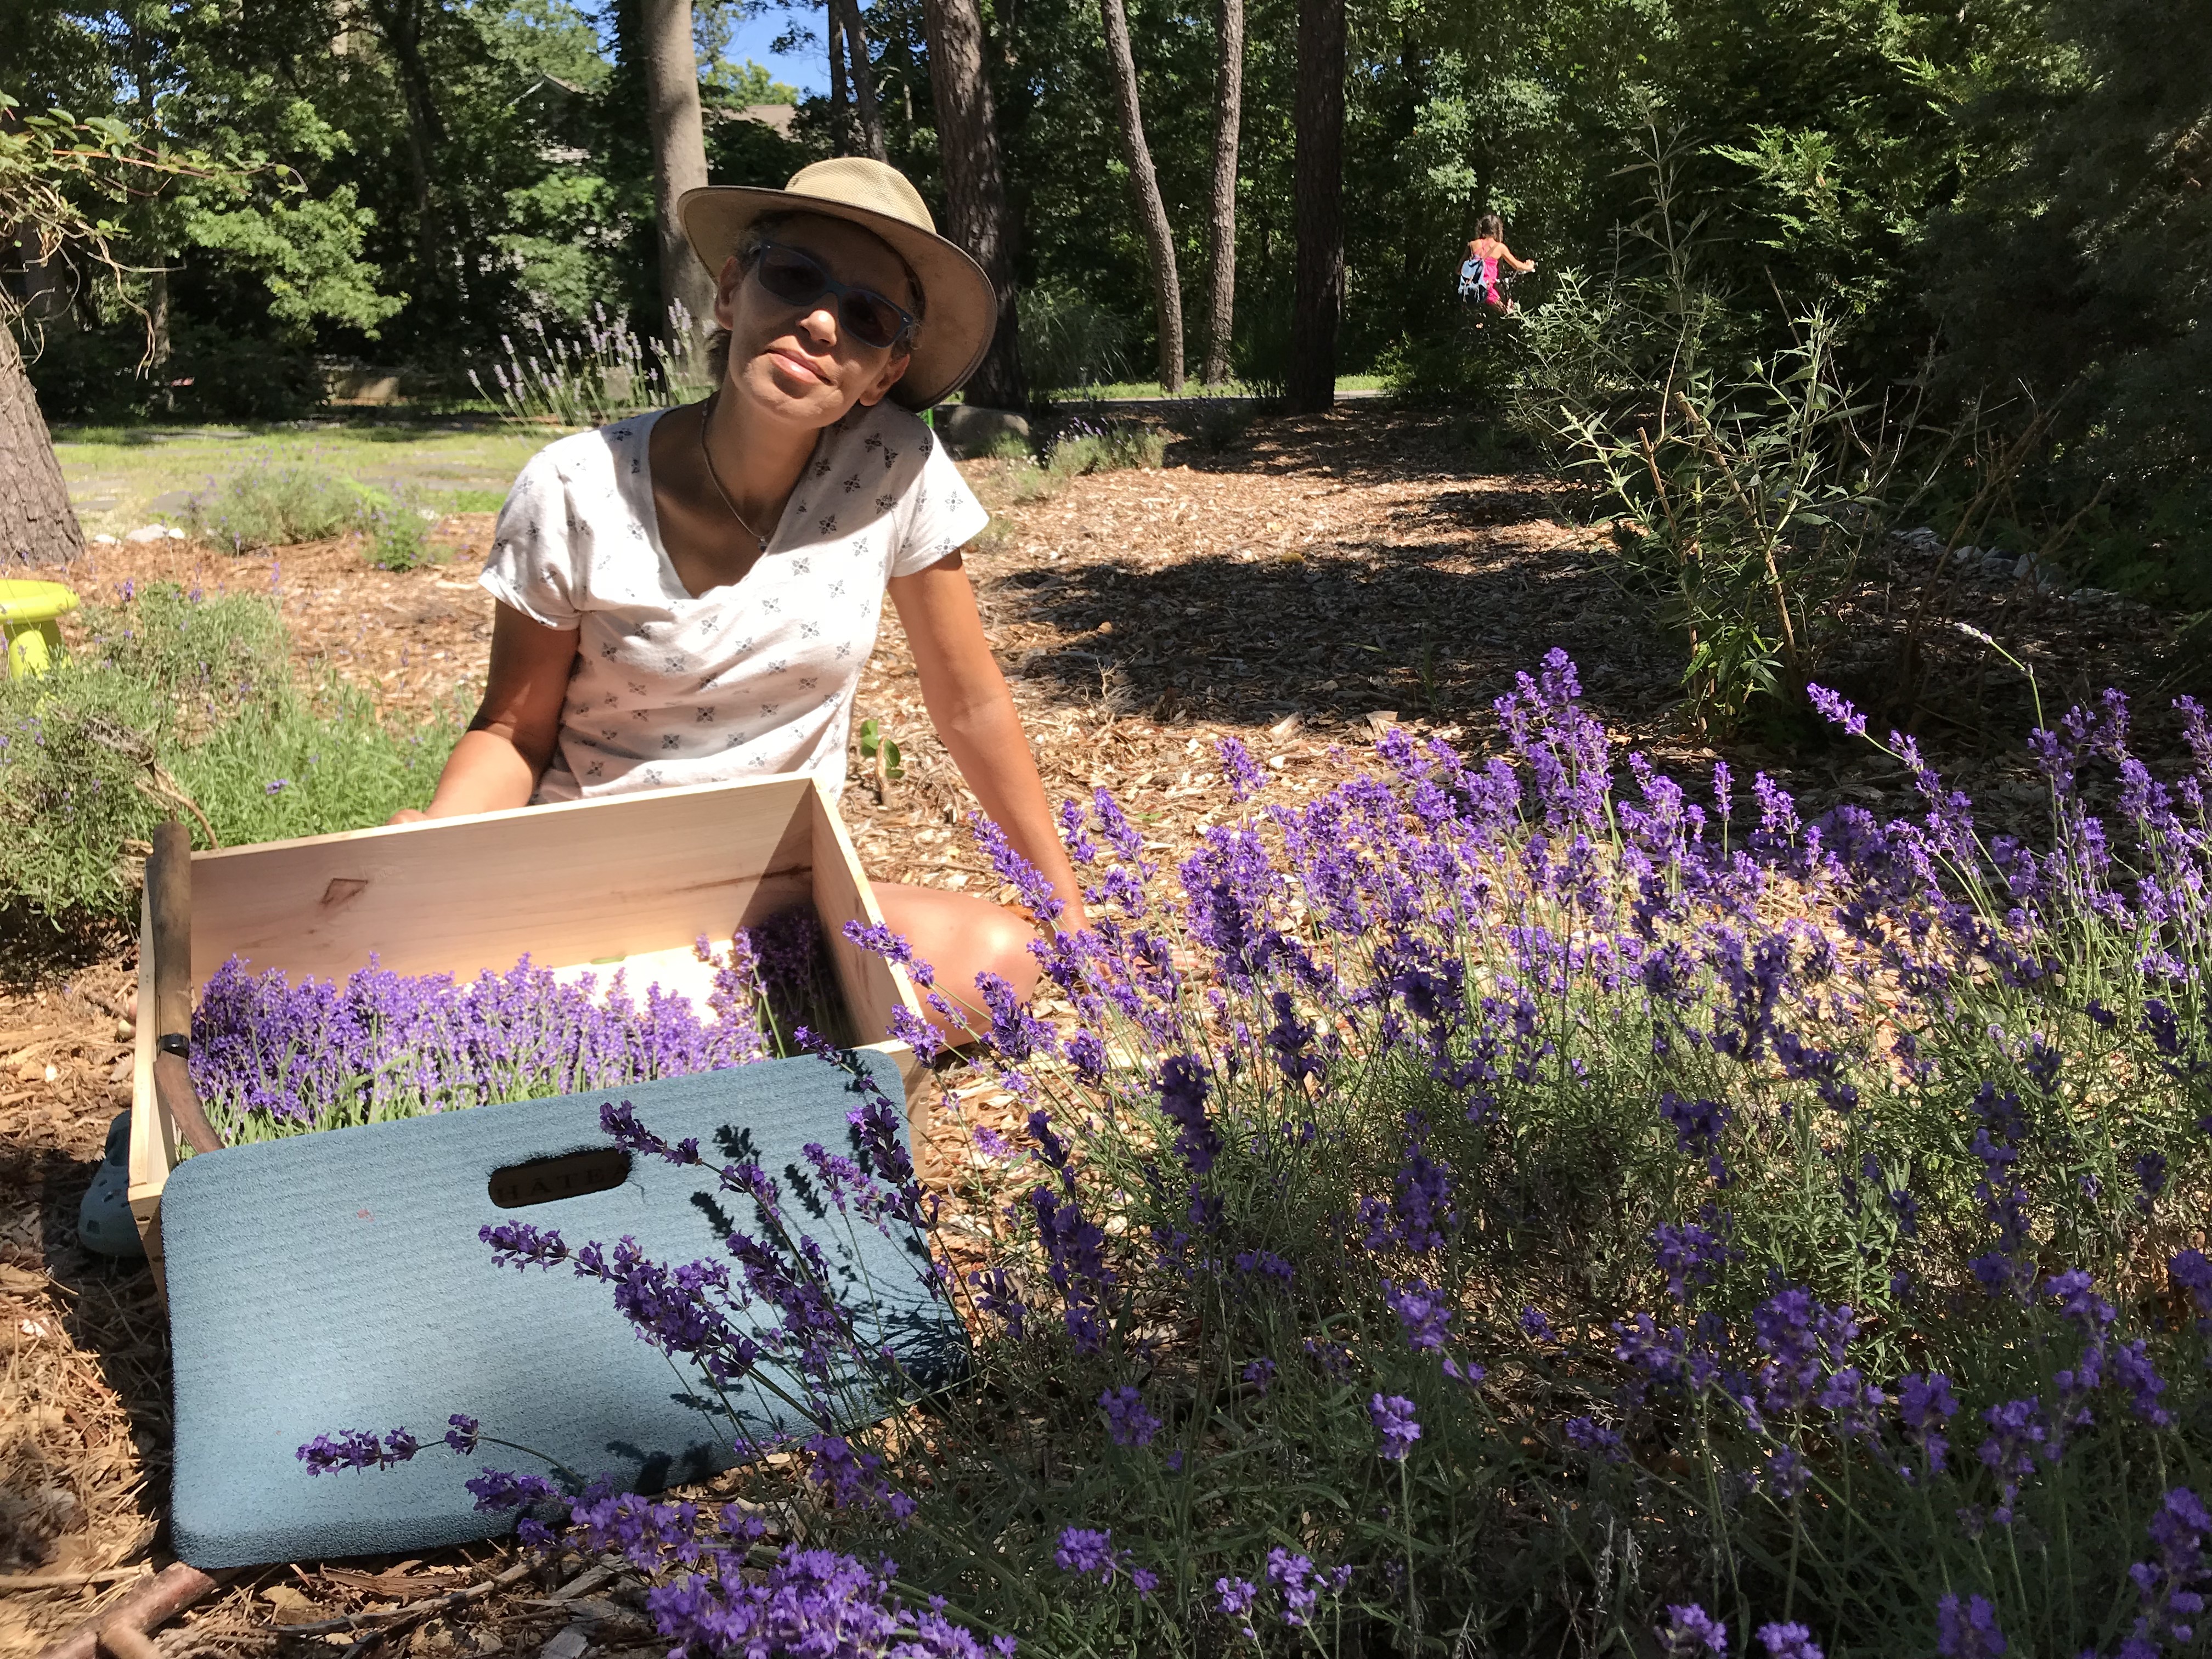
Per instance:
{"type": "Point", "coordinates": [548, 1179]}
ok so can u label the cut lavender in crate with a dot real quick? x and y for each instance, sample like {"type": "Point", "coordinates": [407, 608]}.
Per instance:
{"type": "Point", "coordinates": [271, 1059]}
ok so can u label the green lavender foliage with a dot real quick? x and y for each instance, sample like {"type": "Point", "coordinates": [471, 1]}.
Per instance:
{"type": "Point", "coordinates": [174, 698]}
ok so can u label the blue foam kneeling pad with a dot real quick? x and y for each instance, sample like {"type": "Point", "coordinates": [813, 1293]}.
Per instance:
{"type": "Point", "coordinates": [335, 1280]}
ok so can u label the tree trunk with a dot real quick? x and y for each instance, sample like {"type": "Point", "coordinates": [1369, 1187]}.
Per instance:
{"type": "Point", "coordinates": [1159, 240]}
{"type": "Point", "coordinates": [400, 23]}
{"type": "Point", "coordinates": [976, 182]}
{"type": "Point", "coordinates": [841, 117]}
{"type": "Point", "coordinates": [679, 156]}
{"type": "Point", "coordinates": [869, 118]}
{"type": "Point", "coordinates": [1317, 207]}
{"type": "Point", "coordinates": [1221, 227]}
{"type": "Point", "coordinates": [38, 525]}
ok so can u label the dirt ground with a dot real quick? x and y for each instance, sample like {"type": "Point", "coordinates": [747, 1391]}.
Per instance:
{"type": "Point", "coordinates": [1314, 582]}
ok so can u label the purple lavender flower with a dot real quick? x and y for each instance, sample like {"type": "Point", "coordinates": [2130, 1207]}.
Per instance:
{"type": "Point", "coordinates": [808, 1601]}
{"type": "Point", "coordinates": [1184, 1082]}
{"type": "Point", "coordinates": [354, 1449]}
{"type": "Point", "coordinates": [1588, 1434]}
{"type": "Point", "coordinates": [1925, 1404]}
{"type": "Point", "coordinates": [2166, 1587]}
{"type": "Point", "coordinates": [2192, 1271]}
{"type": "Point", "coordinates": [1690, 1255]}
{"type": "Point", "coordinates": [1421, 1311]}
{"type": "Point", "coordinates": [1233, 1598]}
{"type": "Point", "coordinates": [1968, 1630]}
{"type": "Point", "coordinates": [1243, 773]}
{"type": "Point", "coordinates": [1083, 1551]}
{"type": "Point", "coordinates": [1261, 1375]}
{"type": "Point", "coordinates": [1392, 1417]}
{"type": "Point", "coordinates": [1789, 1642]}
{"type": "Point", "coordinates": [1697, 1125]}
{"type": "Point", "coordinates": [1127, 1422]}
{"type": "Point", "coordinates": [1691, 1632]}
{"type": "Point", "coordinates": [1836, 710]}
{"type": "Point", "coordinates": [2020, 1430]}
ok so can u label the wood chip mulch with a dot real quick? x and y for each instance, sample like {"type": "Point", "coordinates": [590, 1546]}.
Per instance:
{"type": "Point", "coordinates": [1302, 589]}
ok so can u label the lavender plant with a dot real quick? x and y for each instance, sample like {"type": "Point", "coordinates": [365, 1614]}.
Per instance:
{"type": "Point", "coordinates": [607, 374]}
{"type": "Point", "coordinates": [271, 1059]}
{"type": "Point", "coordinates": [1509, 1204]}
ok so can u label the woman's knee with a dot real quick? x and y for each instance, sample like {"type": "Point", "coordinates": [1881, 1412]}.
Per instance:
{"type": "Point", "coordinates": [961, 935]}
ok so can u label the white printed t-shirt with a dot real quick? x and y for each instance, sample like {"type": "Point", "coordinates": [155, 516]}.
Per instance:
{"type": "Point", "coordinates": [745, 679]}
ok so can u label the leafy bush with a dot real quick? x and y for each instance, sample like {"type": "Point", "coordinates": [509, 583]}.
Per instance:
{"type": "Point", "coordinates": [268, 504]}
{"type": "Point", "coordinates": [180, 707]}
{"type": "Point", "coordinates": [1004, 446]}
{"type": "Point", "coordinates": [1750, 505]}
{"type": "Point", "coordinates": [1215, 424]}
{"type": "Point", "coordinates": [1068, 342]}
{"type": "Point", "coordinates": [1508, 1207]}
{"type": "Point", "coordinates": [400, 535]}
{"type": "Point", "coordinates": [1087, 446]}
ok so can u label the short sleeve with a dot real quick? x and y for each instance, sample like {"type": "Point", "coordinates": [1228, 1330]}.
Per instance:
{"type": "Point", "coordinates": [942, 513]}
{"type": "Point", "coordinates": [533, 563]}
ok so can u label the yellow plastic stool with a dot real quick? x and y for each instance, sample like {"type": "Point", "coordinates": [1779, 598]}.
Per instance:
{"type": "Point", "coordinates": [27, 611]}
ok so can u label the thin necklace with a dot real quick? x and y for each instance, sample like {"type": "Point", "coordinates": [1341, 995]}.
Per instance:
{"type": "Point", "coordinates": [713, 477]}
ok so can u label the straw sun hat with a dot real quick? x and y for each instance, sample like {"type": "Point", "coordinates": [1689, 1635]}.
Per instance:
{"type": "Point", "coordinates": [961, 308]}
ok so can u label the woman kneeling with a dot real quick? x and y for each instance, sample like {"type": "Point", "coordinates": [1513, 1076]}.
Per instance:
{"type": "Point", "coordinates": [689, 597]}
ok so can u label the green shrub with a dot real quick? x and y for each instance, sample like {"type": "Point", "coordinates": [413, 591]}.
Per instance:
{"type": "Point", "coordinates": [1005, 446]}
{"type": "Point", "coordinates": [269, 505]}
{"type": "Point", "coordinates": [1087, 446]}
{"type": "Point", "coordinates": [1068, 342]}
{"type": "Point", "coordinates": [399, 536]}
{"type": "Point", "coordinates": [178, 706]}
{"type": "Point", "coordinates": [1215, 423]}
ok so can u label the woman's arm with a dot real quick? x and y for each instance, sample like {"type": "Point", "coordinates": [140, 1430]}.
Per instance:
{"type": "Point", "coordinates": [973, 714]}
{"type": "Point", "coordinates": [499, 759]}
{"type": "Point", "coordinates": [1506, 254]}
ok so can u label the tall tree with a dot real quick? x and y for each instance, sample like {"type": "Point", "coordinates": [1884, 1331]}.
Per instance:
{"type": "Point", "coordinates": [399, 23]}
{"type": "Point", "coordinates": [840, 104]}
{"type": "Point", "coordinates": [1317, 208]}
{"type": "Point", "coordinates": [38, 525]}
{"type": "Point", "coordinates": [1221, 218]}
{"type": "Point", "coordinates": [868, 118]}
{"type": "Point", "coordinates": [1152, 211]}
{"type": "Point", "coordinates": [976, 182]}
{"type": "Point", "coordinates": [679, 149]}
{"type": "Point", "coordinates": [48, 163]}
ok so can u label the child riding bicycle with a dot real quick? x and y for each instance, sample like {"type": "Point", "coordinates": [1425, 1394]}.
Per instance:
{"type": "Point", "coordinates": [1479, 282]}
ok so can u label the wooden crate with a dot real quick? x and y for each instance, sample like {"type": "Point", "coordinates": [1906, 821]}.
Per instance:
{"type": "Point", "coordinates": [631, 882]}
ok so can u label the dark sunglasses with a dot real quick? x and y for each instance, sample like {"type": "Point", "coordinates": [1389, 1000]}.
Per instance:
{"type": "Point", "coordinates": [797, 279]}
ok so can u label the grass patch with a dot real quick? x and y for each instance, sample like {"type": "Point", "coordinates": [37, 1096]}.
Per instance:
{"type": "Point", "coordinates": [115, 474]}
{"type": "Point", "coordinates": [185, 707]}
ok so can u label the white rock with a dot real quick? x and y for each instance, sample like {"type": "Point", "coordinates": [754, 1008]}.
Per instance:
{"type": "Point", "coordinates": [104, 541]}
